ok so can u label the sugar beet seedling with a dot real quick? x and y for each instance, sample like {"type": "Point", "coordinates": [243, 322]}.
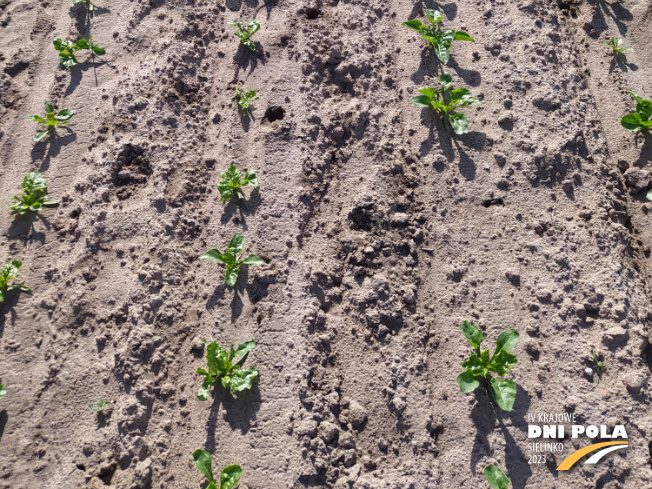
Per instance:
{"type": "Point", "coordinates": [8, 272]}
{"type": "Point", "coordinates": [496, 477]}
{"type": "Point", "coordinates": [245, 32]}
{"type": "Point", "coordinates": [228, 477]}
{"type": "Point", "coordinates": [615, 43]}
{"type": "Point", "coordinates": [225, 366]}
{"type": "Point", "coordinates": [51, 120]}
{"type": "Point", "coordinates": [87, 3]}
{"type": "Point", "coordinates": [231, 182]}
{"type": "Point", "coordinates": [480, 364]}
{"type": "Point", "coordinates": [441, 40]}
{"type": "Point", "coordinates": [457, 98]}
{"type": "Point", "coordinates": [245, 98]}
{"type": "Point", "coordinates": [231, 258]}
{"type": "Point", "coordinates": [34, 195]}
{"type": "Point", "coordinates": [67, 49]}
{"type": "Point", "coordinates": [641, 120]}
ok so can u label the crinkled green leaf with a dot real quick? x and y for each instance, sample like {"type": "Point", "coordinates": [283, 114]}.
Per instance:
{"type": "Point", "coordinates": [467, 382]}
{"type": "Point", "coordinates": [644, 107]}
{"type": "Point", "coordinates": [632, 122]}
{"type": "Point", "coordinates": [442, 51]}
{"type": "Point", "coordinates": [459, 123]}
{"type": "Point", "coordinates": [218, 359]}
{"type": "Point", "coordinates": [504, 392]}
{"type": "Point", "coordinates": [250, 178]}
{"type": "Point", "coordinates": [495, 477]}
{"type": "Point", "coordinates": [502, 362]}
{"type": "Point", "coordinates": [445, 80]}
{"type": "Point", "coordinates": [231, 276]}
{"type": "Point", "coordinates": [240, 379]}
{"type": "Point", "coordinates": [40, 135]}
{"type": "Point", "coordinates": [435, 16]}
{"type": "Point", "coordinates": [475, 364]}
{"type": "Point", "coordinates": [230, 476]}
{"type": "Point", "coordinates": [204, 463]}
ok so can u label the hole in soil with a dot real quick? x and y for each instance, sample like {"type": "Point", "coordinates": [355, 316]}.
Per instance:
{"type": "Point", "coordinates": [647, 356]}
{"type": "Point", "coordinates": [490, 202]}
{"type": "Point", "coordinates": [131, 168]}
{"type": "Point", "coordinates": [313, 13]}
{"type": "Point", "coordinates": [274, 114]}
{"type": "Point", "coordinates": [107, 474]}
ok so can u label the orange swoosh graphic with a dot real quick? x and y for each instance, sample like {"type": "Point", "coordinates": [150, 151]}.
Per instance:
{"type": "Point", "coordinates": [575, 456]}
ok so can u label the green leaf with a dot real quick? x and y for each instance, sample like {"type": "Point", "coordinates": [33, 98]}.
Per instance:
{"type": "Point", "coordinates": [2, 296]}
{"type": "Point", "coordinates": [462, 36]}
{"type": "Point", "coordinates": [37, 118]}
{"type": "Point", "coordinates": [64, 115]}
{"type": "Point", "coordinates": [204, 463]}
{"type": "Point", "coordinates": [648, 196]}
{"type": "Point", "coordinates": [253, 260]}
{"type": "Point", "coordinates": [213, 255]}
{"type": "Point", "coordinates": [632, 122]}
{"type": "Point", "coordinates": [466, 381]}
{"type": "Point", "coordinates": [3, 389]}
{"type": "Point", "coordinates": [421, 101]}
{"type": "Point", "coordinates": [495, 477]}
{"type": "Point", "coordinates": [476, 365]}
{"type": "Point", "coordinates": [644, 107]}
{"type": "Point", "coordinates": [504, 392]}
{"type": "Point", "coordinates": [435, 16]}
{"type": "Point", "coordinates": [230, 476]}
{"type": "Point", "coordinates": [49, 108]}
{"type": "Point", "coordinates": [472, 334]}
{"type": "Point", "coordinates": [442, 51]}
{"type": "Point", "coordinates": [212, 485]}
{"type": "Point", "coordinates": [205, 389]}
{"type": "Point", "coordinates": [636, 97]}
{"type": "Point", "coordinates": [502, 362]}
{"type": "Point", "coordinates": [463, 96]}
{"type": "Point", "coordinates": [459, 123]}
{"type": "Point", "coordinates": [67, 59]}
{"type": "Point", "coordinates": [40, 135]}
{"type": "Point", "coordinates": [218, 359]}
{"type": "Point", "coordinates": [236, 245]}
{"type": "Point", "coordinates": [231, 276]}
{"type": "Point", "coordinates": [98, 50]}
{"type": "Point", "coordinates": [414, 25]}
{"type": "Point", "coordinates": [250, 178]}
{"type": "Point", "coordinates": [226, 192]}
{"type": "Point", "coordinates": [240, 379]}
{"type": "Point", "coordinates": [239, 354]}
{"type": "Point", "coordinates": [446, 81]}
{"type": "Point", "coordinates": [507, 340]}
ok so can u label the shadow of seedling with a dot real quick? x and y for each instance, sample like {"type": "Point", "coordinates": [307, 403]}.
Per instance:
{"type": "Point", "coordinates": [614, 10]}
{"type": "Point", "coordinates": [8, 306]}
{"type": "Point", "coordinates": [246, 58]}
{"type": "Point", "coordinates": [486, 415]}
{"type": "Point", "coordinates": [646, 148]}
{"type": "Point", "coordinates": [77, 72]}
{"type": "Point", "coordinates": [620, 60]}
{"type": "Point", "coordinates": [51, 146]}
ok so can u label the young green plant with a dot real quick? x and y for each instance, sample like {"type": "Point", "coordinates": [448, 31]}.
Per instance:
{"type": "Point", "coordinates": [232, 258]}
{"type": "Point", "coordinates": [228, 477]}
{"type": "Point", "coordinates": [245, 32]}
{"type": "Point", "coordinates": [441, 40]}
{"type": "Point", "coordinates": [51, 120]}
{"type": "Point", "coordinates": [641, 120]}
{"type": "Point", "coordinates": [231, 182]}
{"type": "Point", "coordinates": [87, 3]}
{"type": "Point", "coordinates": [597, 365]}
{"type": "Point", "coordinates": [3, 391]}
{"type": "Point", "coordinates": [245, 98]}
{"type": "Point", "coordinates": [67, 49]}
{"type": "Point", "coordinates": [615, 43]}
{"type": "Point", "coordinates": [8, 272]}
{"type": "Point", "coordinates": [495, 477]}
{"type": "Point", "coordinates": [481, 364]}
{"type": "Point", "coordinates": [34, 194]}
{"type": "Point", "coordinates": [225, 366]}
{"type": "Point", "coordinates": [100, 406]}
{"type": "Point", "coordinates": [446, 101]}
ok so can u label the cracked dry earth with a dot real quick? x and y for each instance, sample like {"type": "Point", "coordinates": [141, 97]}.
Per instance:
{"type": "Point", "coordinates": [381, 233]}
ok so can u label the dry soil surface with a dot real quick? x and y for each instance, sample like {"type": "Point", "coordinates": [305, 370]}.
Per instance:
{"type": "Point", "coordinates": [380, 230]}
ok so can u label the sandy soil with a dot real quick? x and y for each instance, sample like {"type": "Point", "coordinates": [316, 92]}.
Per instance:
{"type": "Point", "coordinates": [381, 233]}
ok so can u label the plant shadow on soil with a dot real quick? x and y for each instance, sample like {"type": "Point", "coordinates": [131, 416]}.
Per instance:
{"type": "Point", "coordinates": [621, 62]}
{"type": "Point", "coordinates": [246, 208]}
{"type": "Point", "coordinates": [256, 290]}
{"type": "Point", "coordinates": [450, 144]}
{"type": "Point", "coordinates": [77, 72]}
{"type": "Point", "coordinates": [485, 415]}
{"type": "Point", "coordinates": [53, 143]}
{"type": "Point", "coordinates": [240, 411]}
{"type": "Point", "coordinates": [615, 11]}
{"type": "Point", "coordinates": [418, 10]}
{"type": "Point", "coordinates": [9, 307]}
{"type": "Point", "coordinates": [246, 58]}
{"type": "Point", "coordinates": [3, 422]}
{"type": "Point", "coordinates": [22, 227]}
{"type": "Point", "coordinates": [646, 150]}
{"type": "Point", "coordinates": [83, 17]}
